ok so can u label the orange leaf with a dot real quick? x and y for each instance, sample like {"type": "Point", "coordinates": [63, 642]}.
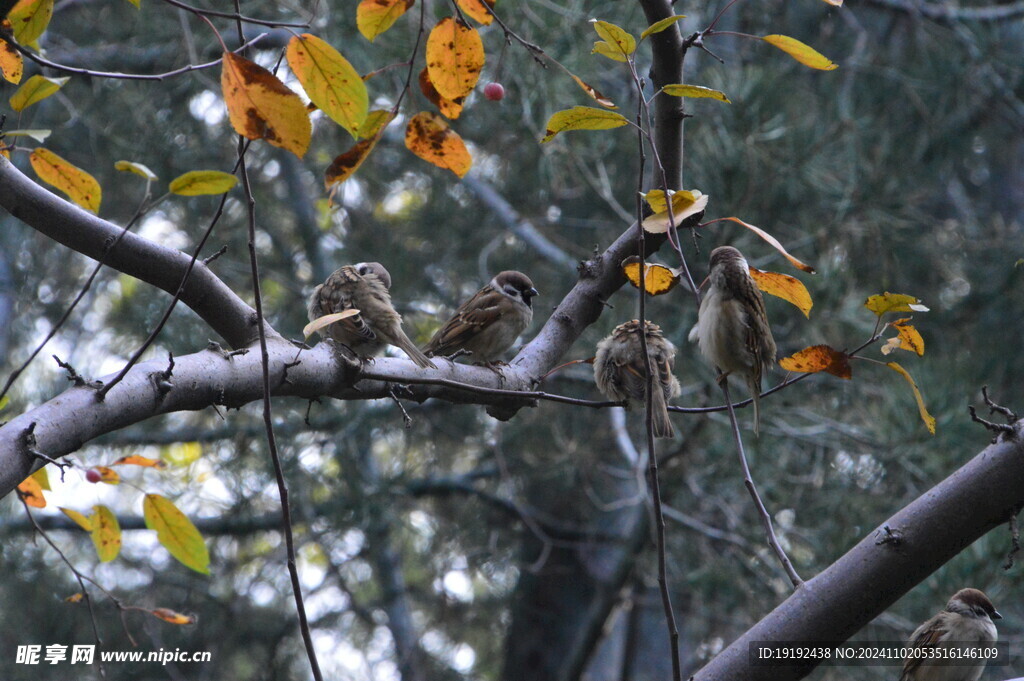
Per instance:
{"type": "Point", "coordinates": [29, 18]}
{"type": "Point", "coordinates": [784, 286]}
{"type": "Point", "coordinates": [819, 358]}
{"type": "Point", "coordinates": [136, 460]}
{"type": "Point", "coordinates": [75, 598]}
{"type": "Point", "coordinates": [105, 533]}
{"type": "Point", "coordinates": [168, 615]}
{"type": "Point", "coordinates": [12, 66]}
{"type": "Point", "coordinates": [799, 264]}
{"type": "Point", "coordinates": [929, 420]}
{"type": "Point", "coordinates": [593, 93]}
{"type": "Point", "coordinates": [449, 108]}
{"type": "Point", "coordinates": [373, 17]}
{"type": "Point", "coordinates": [478, 9]}
{"type": "Point", "coordinates": [658, 279]}
{"type": "Point", "coordinates": [108, 475]}
{"type": "Point", "coordinates": [329, 80]}
{"type": "Point", "coordinates": [893, 302]}
{"type": "Point", "coordinates": [909, 337]}
{"type": "Point", "coordinates": [79, 185]}
{"type": "Point", "coordinates": [345, 165]}
{"type": "Point", "coordinates": [455, 57]}
{"type": "Point", "coordinates": [31, 492]}
{"type": "Point", "coordinates": [429, 137]}
{"type": "Point", "coordinates": [262, 107]}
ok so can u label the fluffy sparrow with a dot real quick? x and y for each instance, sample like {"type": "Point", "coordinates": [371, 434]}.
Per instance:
{"type": "Point", "coordinates": [732, 326]}
{"type": "Point", "coordinates": [488, 323]}
{"type": "Point", "coordinates": [620, 374]}
{"type": "Point", "coordinates": [967, 621]}
{"type": "Point", "coordinates": [363, 287]}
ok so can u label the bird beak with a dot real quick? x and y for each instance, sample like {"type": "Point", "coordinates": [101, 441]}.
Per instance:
{"type": "Point", "coordinates": [529, 294]}
{"type": "Point", "coordinates": [996, 615]}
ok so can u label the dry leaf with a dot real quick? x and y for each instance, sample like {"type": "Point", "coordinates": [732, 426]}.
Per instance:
{"type": "Point", "coordinates": [796, 262]}
{"type": "Point", "coordinates": [478, 9]}
{"type": "Point", "coordinates": [326, 320]}
{"type": "Point", "coordinates": [819, 358]}
{"type": "Point", "coordinates": [31, 492]}
{"type": "Point", "coordinates": [909, 337]}
{"type": "Point", "coordinates": [80, 186]}
{"type": "Point", "coordinates": [449, 108]}
{"type": "Point", "coordinates": [929, 420]}
{"type": "Point", "coordinates": [429, 137]}
{"type": "Point", "coordinates": [12, 66]}
{"type": "Point", "coordinates": [262, 107]}
{"type": "Point", "coordinates": [173, 617]}
{"type": "Point", "coordinates": [455, 57]}
{"type": "Point", "coordinates": [593, 93]}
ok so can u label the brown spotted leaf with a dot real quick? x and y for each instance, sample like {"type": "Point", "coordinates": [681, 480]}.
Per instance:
{"type": "Point", "coordinates": [345, 165]}
{"type": "Point", "coordinates": [783, 286]}
{"type": "Point", "coordinates": [455, 57]}
{"type": "Point", "coordinates": [478, 9]}
{"type": "Point", "coordinates": [31, 492]}
{"type": "Point", "coordinates": [593, 93]}
{"type": "Point", "coordinates": [262, 107]}
{"type": "Point", "coordinates": [29, 18]}
{"type": "Point", "coordinates": [329, 80]}
{"type": "Point", "coordinates": [909, 338]}
{"type": "Point", "coordinates": [449, 108]}
{"type": "Point", "coordinates": [12, 66]}
{"type": "Point", "coordinates": [80, 186]}
{"type": "Point", "coordinates": [373, 17]}
{"type": "Point", "coordinates": [819, 358]}
{"type": "Point", "coordinates": [105, 533]}
{"type": "Point", "coordinates": [929, 420]}
{"type": "Point", "coordinates": [894, 302]}
{"type": "Point", "coordinates": [429, 137]}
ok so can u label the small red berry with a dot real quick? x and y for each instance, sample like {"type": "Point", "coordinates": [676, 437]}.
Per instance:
{"type": "Point", "coordinates": [494, 92]}
{"type": "Point", "coordinates": [93, 475]}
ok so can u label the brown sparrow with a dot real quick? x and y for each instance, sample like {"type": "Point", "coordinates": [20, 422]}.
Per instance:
{"type": "Point", "coordinates": [363, 287]}
{"type": "Point", "coordinates": [967, 621]}
{"type": "Point", "coordinates": [732, 326]}
{"type": "Point", "coordinates": [620, 374]}
{"type": "Point", "coordinates": [488, 323]}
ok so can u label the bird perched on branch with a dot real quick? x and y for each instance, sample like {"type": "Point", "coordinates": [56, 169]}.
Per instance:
{"type": "Point", "coordinates": [620, 371]}
{"type": "Point", "coordinates": [488, 323]}
{"type": "Point", "coordinates": [966, 623]}
{"type": "Point", "coordinates": [732, 325]}
{"type": "Point", "coordinates": [363, 287]}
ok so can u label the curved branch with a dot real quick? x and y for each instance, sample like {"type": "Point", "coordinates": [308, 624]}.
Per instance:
{"type": "Point", "coordinates": [947, 12]}
{"type": "Point", "coordinates": [888, 562]}
{"type": "Point", "coordinates": [163, 267]}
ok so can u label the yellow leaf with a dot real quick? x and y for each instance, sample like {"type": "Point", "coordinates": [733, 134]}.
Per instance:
{"type": "Point", "coordinates": [326, 320]}
{"type": "Point", "coordinates": [449, 108]}
{"type": "Point", "coordinates": [582, 118]}
{"type": "Point", "coordinates": [12, 66]}
{"type": "Point", "coordinates": [105, 533]}
{"type": "Point", "coordinates": [478, 9]}
{"type": "Point", "coordinates": [909, 337]}
{"type": "Point", "coordinates": [29, 18]}
{"type": "Point", "coordinates": [35, 89]}
{"type": "Point", "coordinates": [694, 92]}
{"type": "Point", "coordinates": [893, 302]}
{"type": "Point", "coordinates": [796, 262]}
{"type": "Point", "coordinates": [685, 205]}
{"type": "Point", "coordinates": [135, 2]}
{"type": "Point", "coordinates": [79, 518]}
{"type": "Point", "coordinates": [173, 617]}
{"type": "Point", "coordinates": [836, 3]}
{"type": "Point", "coordinates": [606, 49]}
{"type": "Point", "coordinates": [375, 121]}
{"type": "Point", "coordinates": [137, 168]}
{"type": "Point", "coordinates": [929, 420]}
{"type": "Point", "coordinates": [329, 80]}
{"type": "Point", "coordinates": [31, 492]}
{"type": "Point", "coordinates": [345, 165]}
{"type": "Point", "coordinates": [659, 26]}
{"type": "Point", "coordinates": [42, 478]}
{"type": "Point", "coordinates": [79, 185]}
{"type": "Point", "coordinates": [784, 286]}
{"type": "Point", "coordinates": [373, 17]}
{"type": "Point", "coordinates": [262, 107]}
{"type": "Point", "coordinates": [38, 135]}
{"type": "Point", "coordinates": [181, 453]}
{"type": "Point", "coordinates": [819, 358]}
{"type": "Point", "coordinates": [429, 137]}
{"type": "Point", "coordinates": [136, 460]}
{"type": "Point", "coordinates": [176, 532]}
{"type": "Point", "coordinates": [658, 279]}
{"type": "Point", "coordinates": [75, 598]}
{"type": "Point", "coordinates": [108, 475]}
{"type": "Point", "coordinates": [202, 183]}
{"type": "Point", "coordinates": [804, 54]}
{"type": "Point", "coordinates": [455, 57]}
{"type": "Point", "coordinates": [621, 40]}
{"type": "Point", "coordinates": [593, 93]}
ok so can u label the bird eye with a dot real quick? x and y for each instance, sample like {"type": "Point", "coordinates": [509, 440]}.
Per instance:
{"type": "Point", "coordinates": [512, 291]}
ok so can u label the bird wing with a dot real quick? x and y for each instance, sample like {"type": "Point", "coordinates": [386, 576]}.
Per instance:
{"type": "Point", "coordinates": [336, 295]}
{"type": "Point", "coordinates": [467, 321]}
{"type": "Point", "coordinates": [926, 636]}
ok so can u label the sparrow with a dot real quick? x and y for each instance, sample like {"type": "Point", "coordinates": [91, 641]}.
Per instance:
{"type": "Point", "coordinates": [488, 323]}
{"type": "Point", "coordinates": [732, 326]}
{"type": "Point", "coordinates": [967, 620]}
{"type": "Point", "coordinates": [363, 287]}
{"type": "Point", "coordinates": [620, 373]}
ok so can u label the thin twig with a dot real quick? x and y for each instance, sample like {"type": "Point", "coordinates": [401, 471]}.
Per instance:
{"type": "Point", "coordinates": [236, 16]}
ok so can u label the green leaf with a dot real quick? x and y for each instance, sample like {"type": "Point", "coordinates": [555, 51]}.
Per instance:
{"type": "Point", "coordinates": [606, 49]}
{"type": "Point", "coordinates": [619, 38]}
{"type": "Point", "coordinates": [29, 18]}
{"type": "Point", "coordinates": [582, 118]}
{"type": "Point", "coordinates": [203, 182]}
{"type": "Point", "coordinates": [659, 26]}
{"type": "Point", "coordinates": [35, 89]}
{"type": "Point", "coordinates": [694, 92]}
{"type": "Point", "coordinates": [176, 532]}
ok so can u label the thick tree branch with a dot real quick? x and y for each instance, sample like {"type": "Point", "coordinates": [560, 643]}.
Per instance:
{"type": "Point", "coordinates": [667, 53]}
{"type": "Point", "coordinates": [887, 563]}
{"type": "Point", "coordinates": [152, 263]}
